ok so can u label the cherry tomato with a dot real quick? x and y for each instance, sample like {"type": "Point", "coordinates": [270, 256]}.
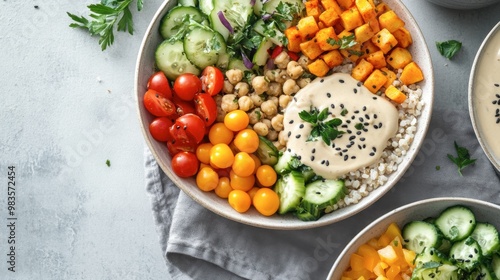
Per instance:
{"type": "Point", "coordinates": [236, 120]}
{"type": "Point", "coordinates": [212, 80]}
{"type": "Point", "coordinates": [266, 175]}
{"type": "Point", "coordinates": [257, 162]}
{"type": "Point", "coordinates": [159, 129]}
{"type": "Point", "coordinates": [185, 164]}
{"type": "Point", "coordinates": [293, 55]}
{"type": "Point", "coordinates": [252, 192]}
{"type": "Point", "coordinates": [223, 187]}
{"type": "Point", "coordinates": [243, 164]}
{"type": "Point", "coordinates": [183, 143]}
{"type": "Point", "coordinates": [183, 107]}
{"type": "Point", "coordinates": [219, 133]}
{"type": "Point", "coordinates": [157, 104]}
{"type": "Point", "coordinates": [207, 179]}
{"type": "Point", "coordinates": [186, 86]}
{"type": "Point", "coordinates": [276, 51]}
{"type": "Point", "coordinates": [206, 108]}
{"type": "Point", "coordinates": [241, 183]}
{"type": "Point", "coordinates": [191, 124]}
{"type": "Point", "coordinates": [239, 200]}
{"type": "Point", "coordinates": [247, 140]}
{"type": "Point", "coordinates": [221, 156]}
{"type": "Point", "coordinates": [266, 201]}
{"type": "Point", "coordinates": [203, 152]}
{"type": "Point", "coordinates": [159, 82]}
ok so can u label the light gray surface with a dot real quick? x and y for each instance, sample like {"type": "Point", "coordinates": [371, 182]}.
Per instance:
{"type": "Point", "coordinates": [67, 107]}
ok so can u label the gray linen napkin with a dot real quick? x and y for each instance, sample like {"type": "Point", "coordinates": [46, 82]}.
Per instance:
{"type": "Point", "coordinates": [199, 244]}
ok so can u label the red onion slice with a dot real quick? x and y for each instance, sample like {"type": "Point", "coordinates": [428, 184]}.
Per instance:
{"type": "Point", "coordinates": [224, 22]}
{"type": "Point", "coordinates": [246, 61]}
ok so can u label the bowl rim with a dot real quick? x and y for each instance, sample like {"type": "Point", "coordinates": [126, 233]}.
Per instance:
{"type": "Point", "coordinates": [289, 224]}
{"type": "Point", "coordinates": [495, 31]}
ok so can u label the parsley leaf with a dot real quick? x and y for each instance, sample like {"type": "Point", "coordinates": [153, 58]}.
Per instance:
{"type": "Point", "coordinates": [108, 163]}
{"type": "Point", "coordinates": [463, 158]}
{"type": "Point", "coordinates": [104, 16]}
{"type": "Point", "coordinates": [326, 130]}
{"type": "Point", "coordinates": [344, 42]}
{"type": "Point", "coordinates": [448, 48]}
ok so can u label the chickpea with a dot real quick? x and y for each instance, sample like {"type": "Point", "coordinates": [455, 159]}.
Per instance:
{"type": "Point", "coordinates": [284, 100]}
{"type": "Point", "coordinates": [274, 99]}
{"type": "Point", "coordinates": [294, 70]}
{"type": "Point", "coordinates": [278, 145]}
{"type": "Point", "coordinates": [257, 99]}
{"type": "Point", "coordinates": [272, 135]}
{"type": "Point", "coordinates": [260, 84]}
{"type": "Point", "coordinates": [254, 116]}
{"type": "Point", "coordinates": [274, 89]}
{"type": "Point", "coordinates": [234, 75]}
{"type": "Point", "coordinates": [282, 60]}
{"type": "Point", "coordinates": [270, 75]}
{"type": "Point", "coordinates": [228, 87]}
{"type": "Point", "coordinates": [281, 76]}
{"type": "Point", "coordinates": [303, 82]}
{"type": "Point", "coordinates": [241, 89]}
{"type": "Point", "coordinates": [277, 122]}
{"type": "Point", "coordinates": [245, 103]}
{"type": "Point", "coordinates": [267, 122]}
{"type": "Point", "coordinates": [282, 138]}
{"type": "Point", "coordinates": [269, 108]}
{"type": "Point", "coordinates": [290, 87]}
{"type": "Point", "coordinates": [303, 61]}
{"type": "Point", "coordinates": [229, 103]}
{"type": "Point", "coordinates": [261, 128]}
{"type": "Point", "coordinates": [220, 114]}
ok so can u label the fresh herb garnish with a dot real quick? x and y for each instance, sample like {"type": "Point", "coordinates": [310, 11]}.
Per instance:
{"type": "Point", "coordinates": [344, 112]}
{"type": "Point", "coordinates": [327, 130]}
{"type": "Point", "coordinates": [438, 167]}
{"type": "Point", "coordinates": [463, 158]}
{"type": "Point", "coordinates": [108, 163]}
{"type": "Point", "coordinates": [359, 126]}
{"type": "Point", "coordinates": [449, 48]}
{"type": "Point", "coordinates": [104, 16]}
{"type": "Point", "coordinates": [344, 42]}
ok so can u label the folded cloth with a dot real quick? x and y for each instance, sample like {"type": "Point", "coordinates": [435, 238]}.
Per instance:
{"type": "Point", "coordinates": [199, 244]}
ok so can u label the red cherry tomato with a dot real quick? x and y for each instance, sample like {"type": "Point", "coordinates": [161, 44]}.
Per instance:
{"type": "Point", "coordinates": [185, 164]}
{"type": "Point", "coordinates": [276, 51]}
{"type": "Point", "coordinates": [212, 80]}
{"type": "Point", "coordinates": [157, 104]}
{"type": "Point", "coordinates": [159, 129]}
{"type": "Point", "coordinates": [159, 82]}
{"type": "Point", "coordinates": [186, 86]}
{"type": "Point", "coordinates": [293, 55]}
{"type": "Point", "coordinates": [206, 108]}
{"type": "Point", "coordinates": [183, 107]}
{"type": "Point", "coordinates": [180, 141]}
{"type": "Point", "coordinates": [189, 124]}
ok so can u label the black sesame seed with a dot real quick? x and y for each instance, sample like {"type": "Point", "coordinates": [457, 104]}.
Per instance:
{"type": "Point", "coordinates": [351, 143]}
{"type": "Point", "coordinates": [375, 116]}
{"type": "Point", "coordinates": [352, 137]}
{"type": "Point", "coordinates": [348, 121]}
{"type": "Point", "coordinates": [349, 131]}
{"type": "Point", "coordinates": [353, 157]}
{"type": "Point", "coordinates": [289, 133]}
{"type": "Point", "coordinates": [494, 102]}
{"type": "Point", "coordinates": [367, 116]}
{"type": "Point", "coordinates": [359, 84]}
{"type": "Point", "coordinates": [365, 130]}
{"type": "Point", "coordinates": [372, 154]}
{"type": "Point", "coordinates": [359, 146]}
{"type": "Point", "coordinates": [374, 149]}
{"type": "Point", "coordinates": [344, 126]}
{"type": "Point", "coordinates": [297, 136]}
{"type": "Point", "coordinates": [289, 150]}
{"type": "Point", "coordinates": [356, 112]}
{"type": "Point", "coordinates": [361, 119]}
{"type": "Point", "coordinates": [312, 158]}
{"type": "Point", "coordinates": [375, 126]}
{"type": "Point", "coordinates": [374, 98]}
{"type": "Point", "coordinates": [345, 150]}
{"type": "Point", "coordinates": [323, 162]}
{"type": "Point", "coordinates": [364, 146]}
{"type": "Point", "coordinates": [362, 139]}
{"type": "Point", "coordinates": [332, 106]}
{"type": "Point", "coordinates": [328, 95]}
{"type": "Point", "coordinates": [366, 124]}
{"type": "Point", "coordinates": [341, 154]}
{"type": "Point", "coordinates": [379, 124]}
{"type": "Point", "coordinates": [322, 80]}
{"type": "Point", "coordinates": [313, 150]}
{"type": "Point", "coordinates": [341, 81]}
{"type": "Point", "coordinates": [338, 148]}
{"type": "Point", "coordinates": [346, 157]}
{"type": "Point", "coordinates": [497, 85]}
{"type": "Point", "coordinates": [497, 95]}
{"type": "Point", "coordinates": [333, 145]}
{"type": "Point", "coordinates": [301, 125]}
{"type": "Point", "coordinates": [498, 120]}
{"type": "Point", "coordinates": [342, 106]}
{"type": "Point", "coordinates": [364, 108]}
{"type": "Point", "coordinates": [353, 117]}
{"type": "Point", "coordinates": [327, 163]}
{"type": "Point", "coordinates": [355, 90]}
{"type": "Point", "coordinates": [295, 99]}
{"type": "Point", "coordinates": [290, 122]}
{"type": "Point", "coordinates": [299, 157]}
{"type": "Point", "coordinates": [358, 132]}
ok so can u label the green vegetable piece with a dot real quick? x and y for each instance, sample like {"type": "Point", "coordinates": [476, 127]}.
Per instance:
{"type": "Point", "coordinates": [326, 130]}
{"type": "Point", "coordinates": [448, 48]}
{"type": "Point", "coordinates": [463, 158]}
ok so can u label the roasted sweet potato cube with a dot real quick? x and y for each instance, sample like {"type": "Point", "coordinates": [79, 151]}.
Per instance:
{"type": "Point", "coordinates": [362, 70]}
{"type": "Point", "coordinates": [318, 68]}
{"type": "Point", "coordinates": [368, 47]}
{"type": "Point", "coordinates": [294, 39]}
{"type": "Point", "coordinates": [411, 74]}
{"type": "Point", "coordinates": [324, 37]}
{"type": "Point", "coordinates": [352, 53]}
{"type": "Point", "coordinates": [313, 8]}
{"type": "Point", "coordinates": [310, 49]}
{"type": "Point", "coordinates": [399, 58]}
{"type": "Point", "coordinates": [395, 94]}
{"type": "Point", "coordinates": [374, 25]}
{"type": "Point", "coordinates": [333, 58]}
{"type": "Point", "coordinates": [351, 19]}
{"type": "Point", "coordinates": [391, 76]}
{"type": "Point", "coordinates": [377, 59]}
{"type": "Point", "coordinates": [329, 17]}
{"type": "Point", "coordinates": [384, 40]}
{"type": "Point", "coordinates": [375, 81]}
{"type": "Point", "coordinates": [390, 21]}
{"type": "Point", "coordinates": [307, 27]}
{"type": "Point", "coordinates": [346, 4]}
{"type": "Point", "coordinates": [381, 8]}
{"type": "Point", "coordinates": [327, 4]}
{"type": "Point", "coordinates": [366, 9]}
{"type": "Point", "coordinates": [403, 36]}
{"type": "Point", "coordinates": [364, 33]}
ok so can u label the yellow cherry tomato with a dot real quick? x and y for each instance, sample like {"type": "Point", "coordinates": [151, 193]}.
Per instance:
{"type": "Point", "coordinates": [223, 187]}
{"type": "Point", "coordinates": [207, 179]}
{"type": "Point", "coordinates": [243, 164]}
{"type": "Point", "coordinates": [247, 140]}
{"type": "Point", "coordinates": [219, 133]}
{"type": "Point", "coordinates": [257, 162]}
{"type": "Point", "coordinates": [236, 120]}
{"type": "Point", "coordinates": [241, 183]}
{"type": "Point", "coordinates": [239, 200]}
{"type": "Point", "coordinates": [266, 201]}
{"type": "Point", "coordinates": [266, 175]}
{"type": "Point", "coordinates": [221, 156]}
{"type": "Point", "coordinates": [203, 152]}
{"type": "Point", "coordinates": [252, 192]}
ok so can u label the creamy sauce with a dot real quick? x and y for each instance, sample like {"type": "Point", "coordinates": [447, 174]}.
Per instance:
{"type": "Point", "coordinates": [486, 95]}
{"type": "Point", "coordinates": [368, 121]}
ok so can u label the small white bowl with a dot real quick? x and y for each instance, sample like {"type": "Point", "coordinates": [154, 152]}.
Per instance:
{"type": "Point", "coordinates": [484, 212]}
{"type": "Point", "coordinates": [464, 4]}
{"type": "Point", "coordinates": [484, 96]}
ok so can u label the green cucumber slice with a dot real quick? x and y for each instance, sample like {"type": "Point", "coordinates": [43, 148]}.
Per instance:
{"type": "Point", "coordinates": [456, 222]}
{"type": "Point", "coordinates": [203, 46]}
{"type": "Point", "coordinates": [170, 59]}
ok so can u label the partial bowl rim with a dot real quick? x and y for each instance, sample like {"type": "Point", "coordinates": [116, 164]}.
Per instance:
{"type": "Point", "coordinates": [288, 222]}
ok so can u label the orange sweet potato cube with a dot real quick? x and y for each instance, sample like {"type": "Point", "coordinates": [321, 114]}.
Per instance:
{"type": "Point", "coordinates": [395, 94]}
{"type": "Point", "coordinates": [333, 58]}
{"type": "Point", "coordinates": [375, 81]}
{"type": "Point", "coordinates": [329, 17]}
{"type": "Point", "coordinates": [351, 19]}
{"type": "Point", "coordinates": [366, 9]}
{"type": "Point", "coordinates": [377, 59]}
{"type": "Point", "coordinates": [391, 76]}
{"type": "Point", "coordinates": [381, 8]}
{"type": "Point", "coordinates": [362, 70]}
{"type": "Point", "coordinates": [352, 53]}
{"type": "Point", "coordinates": [307, 27]}
{"type": "Point", "coordinates": [399, 58]}
{"type": "Point", "coordinates": [384, 40]}
{"type": "Point", "coordinates": [323, 38]}
{"type": "Point", "coordinates": [318, 68]}
{"type": "Point", "coordinates": [411, 74]}
{"type": "Point", "coordinates": [364, 33]}
{"type": "Point", "coordinates": [368, 47]}
{"type": "Point", "coordinates": [346, 4]}
{"type": "Point", "coordinates": [313, 8]}
{"type": "Point", "coordinates": [390, 21]}
{"type": "Point", "coordinates": [403, 36]}
{"type": "Point", "coordinates": [294, 39]}
{"type": "Point", "coordinates": [327, 4]}
{"type": "Point", "coordinates": [310, 49]}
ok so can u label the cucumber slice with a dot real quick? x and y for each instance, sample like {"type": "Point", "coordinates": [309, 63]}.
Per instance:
{"type": "Point", "coordinates": [495, 265]}
{"type": "Point", "coordinates": [170, 59]}
{"type": "Point", "coordinates": [456, 222]}
{"type": "Point", "coordinates": [257, 7]}
{"type": "Point", "coordinates": [305, 216]}
{"type": "Point", "coordinates": [290, 189]}
{"type": "Point", "coordinates": [236, 12]}
{"type": "Point", "coordinates": [486, 236]}
{"type": "Point", "coordinates": [188, 3]}
{"type": "Point", "coordinates": [206, 6]}
{"type": "Point", "coordinates": [436, 271]}
{"type": "Point", "coordinates": [276, 36]}
{"type": "Point", "coordinates": [418, 235]}
{"type": "Point", "coordinates": [430, 254]}
{"type": "Point", "coordinates": [282, 166]}
{"type": "Point", "coordinates": [203, 46]}
{"type": "Point", "coordinates": [482, 273]}
{"type": "Point", "coordinates": [321, 194]}
{"type": "Point", "coordinates": [173, 21]}
{"type": "Point", "coordinates": [235, 63]}
{"type": "Point", "coordinates": [262, 54]}
{"type": "Point", "coordinates": [267, 152]}
{"type": "Point", "coordinates": [270, 6]}
{"type": "Point", "coordinates": [467, 253]}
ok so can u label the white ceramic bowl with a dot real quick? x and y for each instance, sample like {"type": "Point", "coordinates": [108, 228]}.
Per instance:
{"type": "Point", "coordinates": [484, 212]}
{"type": "Point", "coordinates": [145, 67]}
{"type": "Point", "coordinates": [484, 96]}
{"type": "Point", "coordinates": [464, 4]}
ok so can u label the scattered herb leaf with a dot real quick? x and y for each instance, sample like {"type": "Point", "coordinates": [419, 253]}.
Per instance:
{"type": "Point", "coordinates": [108, 163]}
{"type": "Point", "coordinates": [326, 130]}
{"type": "Point", "coordinates": [344, 112]}
{"type": "Point", "coordinates": [438, 167]}
{"type": "Point", "coordinates": [359, 126]}
{"type": "Point", "coordinates": [344, 42]}
{"type": "Point", "coordinates": [449, 48]}
{"type": "Point", "coordinates": [463, 158]}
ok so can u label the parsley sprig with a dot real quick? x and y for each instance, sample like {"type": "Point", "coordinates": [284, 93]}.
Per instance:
{"type": "Point", "coordinates": [327, 130]}
{"type": "Point", "coordinates": [463, 158]}
{"type": "Point", "coordinates": [448, 48]}
{"type": "Point", "coordinates": [344, 42]}
{"type": "Point", "coordinates": [104, 16]}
